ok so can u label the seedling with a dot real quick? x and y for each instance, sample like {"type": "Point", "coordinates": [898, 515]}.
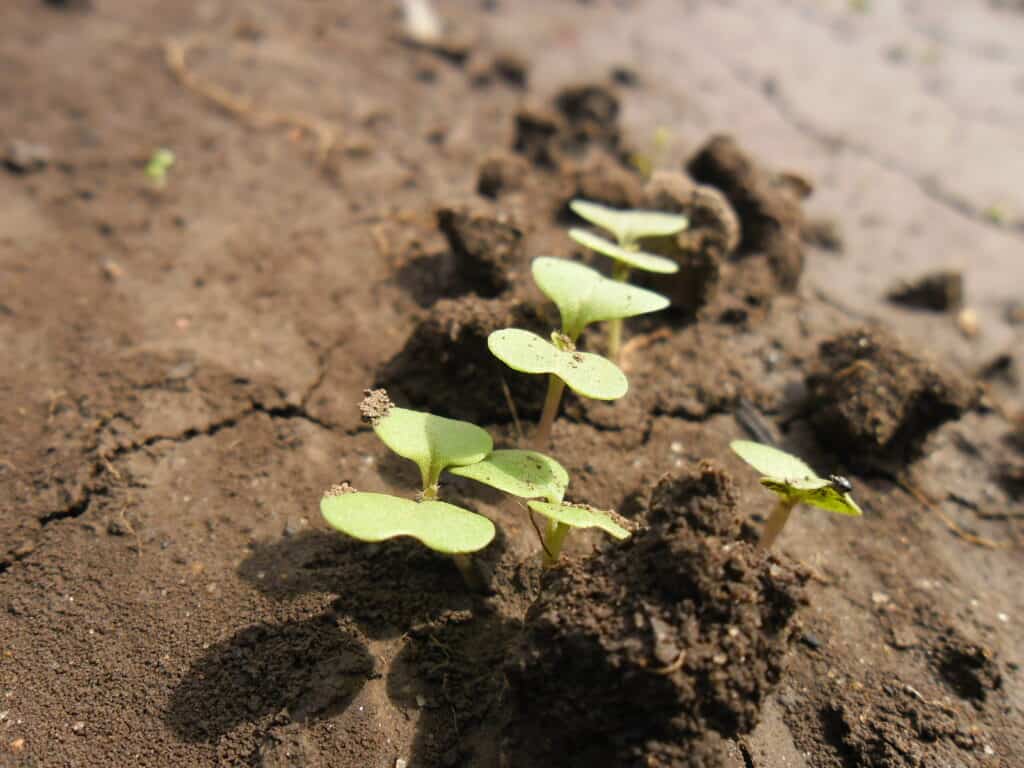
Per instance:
{"type": "Point", "coordinates": [434, 443]}
{"type": "Point", "coordinates": [158, 166]}
{"type": "Point", "coordinates": [583, 372]}
{"type": "Point", "coordinates": [795, 483]}
{"type": "Point", "coordinates": [531, 475]}
{"type": "Point", "coordinates": [629, 228]}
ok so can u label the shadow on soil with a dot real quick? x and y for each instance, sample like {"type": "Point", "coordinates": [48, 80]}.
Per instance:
{"type": "Point", "coordinates": [310, 668]}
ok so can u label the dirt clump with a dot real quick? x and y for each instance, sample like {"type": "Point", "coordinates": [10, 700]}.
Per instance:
{"type": "Point", "coordinates": [659, 647]}
{"type": "Point", "coordinates": [582, 116]}
{"type": "Point", "coordinates": [700, 249]}
{"type": "Point", "coordinates": [487, 245]}
{"type": "Point", "coordinates": [770, 213]}
{"type": "Point", "coordinates": [938, 291]}
{"type": "Point", "coordinates": [873, 398]}
{"type": "Point", "coordinates": [968, 668]}
{"type": "Point", "coordinates": [601, 178]}
{"type": "Point", "coordinates": [501, 173]}
{"type": "Point", "coordinates": [375, 406]}
{"type": "Point", "coordinates": [452, 342]}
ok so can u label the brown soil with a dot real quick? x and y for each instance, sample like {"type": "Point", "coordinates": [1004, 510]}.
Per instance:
{"type": "Point", "coordinates": [183, 370]}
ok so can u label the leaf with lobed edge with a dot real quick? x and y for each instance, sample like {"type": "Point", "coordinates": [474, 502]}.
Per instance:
{"type": "Point", "coordinates": [580, 516]}
{"type": "Point", "coordinates": [648, 262]}
{"type": "Point", "coordinates": [630, 225]}
{"type": "Point", "coordinates": [583, 372]}
{"type": "Point", "coordinates": [432, 442]}
{"type": "Point", "coordinates": [584, 296]}
{"type": "Point", "coordinates": [437, 525]}
{"type": "Point", "coordinates": [791, 478]}
{"type": "Point", "coordinates": [526, 474]}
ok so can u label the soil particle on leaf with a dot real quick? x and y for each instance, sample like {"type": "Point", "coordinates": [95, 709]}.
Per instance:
{"type": "Point", "coordinates": [591, 673]}
{"type": "Point", "coordinates": [452, 341]}
{"type": "Point", "coordinates": [375, 405]}
{"type": "Point", "coordinates": [874, 398]}
{"type": "Point", "coordinates": [487, 244]}
{"type": "Point", "coordinates": [938, 291]}
{"type": "Point", "coordinates": [770, 215]}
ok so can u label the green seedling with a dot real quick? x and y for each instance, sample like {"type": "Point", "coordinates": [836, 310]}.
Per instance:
{"type": "Point", "coordinates": [434, 444]}
{"type": "Point", "coordinates": [795, 483]}
{"type": "Point", "coordinates": [629, 228]}
{"type": "Point", "coordinates": [585, 373]}
{"type": "Point", "coordinates": [531, 475]}
{"type": "Point", "coordinates": [158, 166]}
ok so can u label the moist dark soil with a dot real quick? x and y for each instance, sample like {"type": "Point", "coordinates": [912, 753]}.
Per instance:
{"type": "Point", "coordinates": [184, 364]}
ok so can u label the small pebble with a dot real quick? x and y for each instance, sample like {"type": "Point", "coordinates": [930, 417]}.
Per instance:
{"type": "Point", "coordinates": [17, 745]}
{"type": "Point", "coordinates": [401, 763]}
{"type": "Point", "coordinates": [1003, 617]}
{"type": "Point", "coordinates": [879, 598]}
{"type": "Point", "coordinates": [811, 640]}
{"type": "Point", "coordinates": [421, 701]}
{"type": "Point", "coordinates": [78, 726]}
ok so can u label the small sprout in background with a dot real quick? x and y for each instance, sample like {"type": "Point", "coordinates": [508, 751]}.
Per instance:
{"type": "Point", "coordinates": [158, 166]}
{"type": "Point", "coordinates": [585, 373]}
{"type": "Point", "coordinates": [646, 163]}
{"type": "Point", "coordinates": [531, 475]}
{"type": "Point", "coordinates": [434, 444]}
{"type": "Point", "coordinates": [795, 483]}
{"type": "Point", "coordinates": [629, 228]}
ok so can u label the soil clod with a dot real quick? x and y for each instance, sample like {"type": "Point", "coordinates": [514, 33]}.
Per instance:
{"type": "Point", "coordinates": [676, 636]}
{"type": "Point", "coordinates": [488, 246]}
{"type": "Point", "coordinates": [874, 398]}
{"type": "Point", "coordinates": [938, 291]}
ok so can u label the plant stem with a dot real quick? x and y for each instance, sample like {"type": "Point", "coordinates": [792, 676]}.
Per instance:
{"type": "Point", "coordinates": [620, 272]}
{"type": "Point", "coordinates": [776, 521]}
{"type": "Point", "coordinates": [470, 575]}
{"type": "Point", "coordinates": [553, 542]}
{"type": "Point", "coordinates": [547, 416]}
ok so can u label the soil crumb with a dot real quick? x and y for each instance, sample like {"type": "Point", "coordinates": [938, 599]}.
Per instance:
{"type": "Point", "coordinates": [939, 292]}
{"type": "Point", "coordinates": [375, 405]}
{"type": "Point", "coordinates": [487, 245]}
{"type": "Point", "coordinates": [660, 647]}
{"type": "Point", "coordinates": [583, 116]}
{"type": "Point", "coordinates": [873, 398]}
{"type": "Point", "coordinates": [770, 213]}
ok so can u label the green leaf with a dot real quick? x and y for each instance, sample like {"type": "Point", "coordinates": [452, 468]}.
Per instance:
{"type": "Point", "coordinates": [433, 442]}
{"type": "Point", "coordinates": [583, 295]}
{"type": "Point", "coordinates": [791, 478]}
{"type": "Point", "coordinates": [630, 226]}
{"type": "Point", "coordinates": [583, 372]}
{"type": "Point", "coordinates": [377, 516]}
{"type": "Point", "coordinates": [580, 516]}
{"type": "Point", "coordinates": [772, 462]}
{"type": "Point", "coordinates": [636, 259]}
{"type": "Point", "coordinates": [527, 474]}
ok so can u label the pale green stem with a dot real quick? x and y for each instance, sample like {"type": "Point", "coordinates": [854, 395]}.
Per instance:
{"type": "Point", "coordinates": [776, 521]}
{"type": "Point", "coordinates": [553, 542]}
{"type": "Point", "coordinates": [470, 575]}
{"type": "Point", "coordinates": [620, 272]}
{"type": "Point", "coordinates": [547, 416]}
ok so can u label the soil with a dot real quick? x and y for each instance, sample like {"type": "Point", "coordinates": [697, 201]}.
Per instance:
{"type": "Point", "coordinates": [347, 210]}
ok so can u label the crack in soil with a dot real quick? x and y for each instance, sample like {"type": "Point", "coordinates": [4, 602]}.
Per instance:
{"type": "Point", "coordinates": [929, 187]}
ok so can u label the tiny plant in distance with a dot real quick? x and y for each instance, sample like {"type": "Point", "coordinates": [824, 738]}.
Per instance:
{"type": "Point", "coordinates": [542, 481]}
{"type": "Point", "coordinates": [159, 164]}
{"type": "Point", "coordinates": [795, 483]}
{"type": "Point", "coordinates": [629, 228]}
{"type": "Point", "coordinates": [434, 444]}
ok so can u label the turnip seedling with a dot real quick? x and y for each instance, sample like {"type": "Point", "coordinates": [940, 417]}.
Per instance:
{"type": "Point", "coordinates": [795, 483]}
{"type": "Point", "coordinates": [629, 228]}
{"type": "Point", "coordinates": [434, 443]}
{"type": "Point", "coordinates": [531, 475]}
{"type": "Point", "coordinates": [583, 372]}
{"type": "Point", "coordinates": [158, 166]}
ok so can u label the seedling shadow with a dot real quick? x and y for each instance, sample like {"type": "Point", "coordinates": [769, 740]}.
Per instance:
{"type": "Point", "coordinates": [311, 668]}
{"type": "Point", "coordinates": [386, 588]}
